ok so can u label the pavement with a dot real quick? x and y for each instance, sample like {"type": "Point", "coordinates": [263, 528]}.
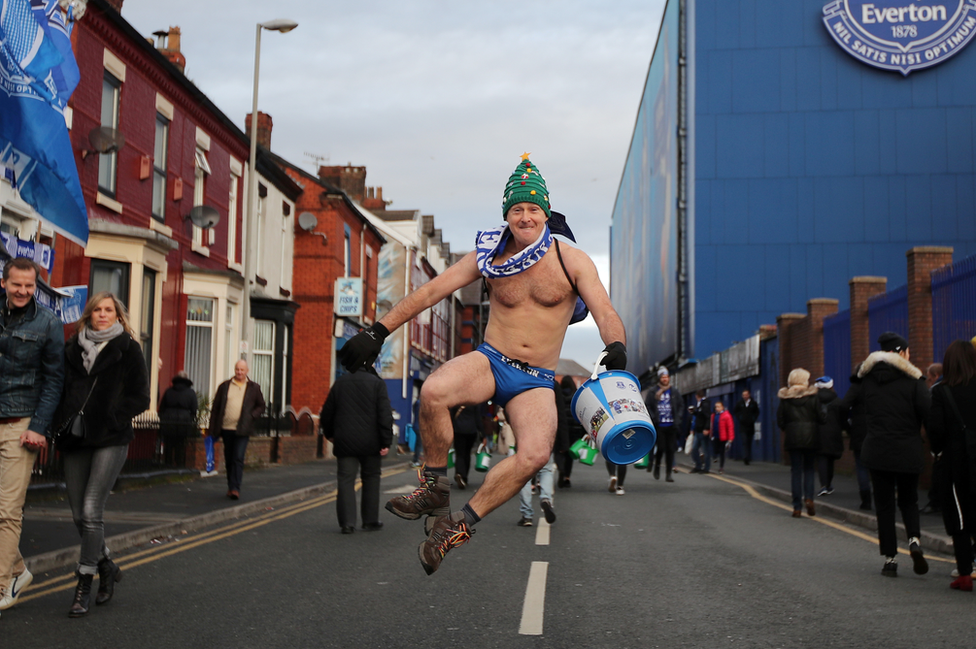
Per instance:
{"type": "Point", "coordinates": [143, 514]}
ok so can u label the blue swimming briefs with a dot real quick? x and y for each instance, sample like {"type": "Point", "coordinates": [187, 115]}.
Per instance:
{"type": "Point", "coordinates": [513, 377]}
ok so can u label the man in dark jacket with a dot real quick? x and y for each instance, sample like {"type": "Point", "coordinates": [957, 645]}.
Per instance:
{"type": "Point", "coordinates": [32, 367]}
{"type": "Point", "coordinates": [746, 412]}
{"type": "Point", "coordinates": [177, 419]}
{"type": "Point", "coordinates": [667, 410]}
{"type": "Point", "coordinates": [358, 420]}
{"type": "Point", "coordinates": [701, 447]}
{"type": "Point", "coordinates": [236, 405]}
{"type": "Point", "coordinates": [896, 402]}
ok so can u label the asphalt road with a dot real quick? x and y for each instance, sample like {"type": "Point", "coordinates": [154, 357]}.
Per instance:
{"type": "Point", "coordinates": [701, 562]}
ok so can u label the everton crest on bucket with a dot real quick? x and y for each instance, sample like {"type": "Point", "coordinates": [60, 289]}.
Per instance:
{"type": "Point", "coordinates": [610, 408]}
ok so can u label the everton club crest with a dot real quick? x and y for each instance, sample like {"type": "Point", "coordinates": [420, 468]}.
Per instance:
{"type": "Point", "coordinates": [899, 34]}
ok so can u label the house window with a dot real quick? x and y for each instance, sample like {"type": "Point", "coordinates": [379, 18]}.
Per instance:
{"type": "Point", "coordinates": [147, 317]}
{"type": "Point", "coordinates": [232, 219]}
{"type": "Point", "coordinates": [231, 358]}
{"type": "Point", "coordinates": [160, 151]}
{"type": "Point", "coordinates": [197, 361]}
{"type": "Point", "coordinates": [111, 276]}
{"type": "Point", "coordinates": [201, 171]}
{"type": "Point", "coordinates": [108, 162]}
{"type": "Point", "coordinates": [262, 365]}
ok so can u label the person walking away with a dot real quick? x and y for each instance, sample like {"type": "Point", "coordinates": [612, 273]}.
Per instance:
{"type": "Point", "coordinates": [746, 412]}
{"type": "Point", "coordinates": [564, 459]}
{"type": "Point", "coordinates": [237, 404]}
{"type": "Point", "coordinates": [177, 419]}
{"type": "Point", "coordinates": [468, 430]}
{"type": "Point", "coordinates": [897, 402]}
{"type": "Point", "coordinates": [723, 432]}
{"type": "Point", "coordinates": [32, 367]}
{"type": "Point", "coordinates": [831, 435]}
{"type": "Point", "coordinates": [667, 410]}
{"type": "Point", "coordinates": [547, 472]}
{"type": "Point", "coordinates": [951, 419]}
{"type": "Point", "coordinates": [701, 447]}
{"type": "Point", "coordinates": [358, 419]}
{"type": "Point", "coordinates": [932, 376]}
{"type": "Point", "coordinates": [106, 385]}
{"type": "Point", "coordinates": [536, 288]}
{"type": "Point", "coordinates": [851, 412]}
{"type": "Point", "coordinates": [799, 416]}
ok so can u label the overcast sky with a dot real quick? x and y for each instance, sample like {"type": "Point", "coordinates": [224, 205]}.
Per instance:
{"type": "Point", "coordinates": [438, 100]}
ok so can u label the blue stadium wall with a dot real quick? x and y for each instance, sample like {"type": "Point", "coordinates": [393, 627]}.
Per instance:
{"type": "Point", "coordinates": [812, 167]}
{"type": "Point", "coordinates": [808, 168]}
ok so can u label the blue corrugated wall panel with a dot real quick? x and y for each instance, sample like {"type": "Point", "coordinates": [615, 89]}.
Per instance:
{"type": "Point", "coordinates": [821, 167]}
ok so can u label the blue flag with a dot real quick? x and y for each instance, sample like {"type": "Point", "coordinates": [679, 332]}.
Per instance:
{"type": "Point", "coordinates": [38, 73]}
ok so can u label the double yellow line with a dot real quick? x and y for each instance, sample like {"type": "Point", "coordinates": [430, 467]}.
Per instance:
{"type": "Point", "coordinates": [819, 519]}
{"type": "Point", "coordinates": [136, 559]}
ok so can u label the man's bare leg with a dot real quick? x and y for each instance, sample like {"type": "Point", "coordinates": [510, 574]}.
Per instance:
{"type": "Point", "coordinates": [532, 415]}
{"type": "Point", "coordinates": [464, 380]}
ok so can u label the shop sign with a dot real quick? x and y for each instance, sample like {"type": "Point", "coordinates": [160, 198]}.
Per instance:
{"type": "Point", "coordinates": [901, 35]}
{"type": "Point", "coordinates": [348, 300]}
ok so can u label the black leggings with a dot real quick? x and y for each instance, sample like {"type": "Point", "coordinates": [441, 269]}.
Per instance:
{"type": "Point", "coordinates": [619, 470]}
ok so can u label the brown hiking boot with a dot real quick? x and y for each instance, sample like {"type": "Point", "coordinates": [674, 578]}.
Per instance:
{"type": "Point", "coordinates": [448, 532]}
{"type": "Point", "coordinates": [432, 497]}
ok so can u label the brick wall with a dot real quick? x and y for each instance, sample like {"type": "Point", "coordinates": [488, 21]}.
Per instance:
{"type": "Point", "coordinates": [922, 261]}
{"type": "Point", "coordinates": [801, 338]}
{"type": "Point", "coordinates": [862, 289]}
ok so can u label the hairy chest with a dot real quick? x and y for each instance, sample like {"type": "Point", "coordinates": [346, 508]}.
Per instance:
{"type": "Point", "coordinates": [544, 284]}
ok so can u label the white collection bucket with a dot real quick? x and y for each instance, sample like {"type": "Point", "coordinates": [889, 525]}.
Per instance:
{"type": "Point", "coordinates": [610, 408]}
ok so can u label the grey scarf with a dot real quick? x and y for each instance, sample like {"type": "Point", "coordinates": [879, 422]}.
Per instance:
{"type": "Point", "coordinates": [91, 342]}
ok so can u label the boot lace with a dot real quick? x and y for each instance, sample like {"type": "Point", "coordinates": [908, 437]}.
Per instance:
{"type": "Point", "coordinates": [426, 484]}
{"type": "Point", "coordinates": [455, 537]}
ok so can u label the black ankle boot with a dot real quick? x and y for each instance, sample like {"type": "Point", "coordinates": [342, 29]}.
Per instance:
{"type": "Point", "coordinates": [866, 500]}
{"type": "Point", "coordinates": [108, 575]}
{"type": "Point", "coordinates": [82, 601]}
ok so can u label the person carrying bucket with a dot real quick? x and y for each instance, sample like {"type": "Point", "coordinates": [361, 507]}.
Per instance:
{"type": "Point", "coordinates": [536, 288]}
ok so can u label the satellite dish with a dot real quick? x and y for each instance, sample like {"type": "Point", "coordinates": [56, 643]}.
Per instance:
{"type": "Point", "coordinates": [105, 139]}
{"type": "Point", "coordinates": [307, 221]}
{"type": "Point", "coordinates": [204, 216]}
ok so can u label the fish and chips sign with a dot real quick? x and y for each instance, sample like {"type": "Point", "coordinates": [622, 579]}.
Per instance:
{"type": "Point", "coordinates": [900, 35]}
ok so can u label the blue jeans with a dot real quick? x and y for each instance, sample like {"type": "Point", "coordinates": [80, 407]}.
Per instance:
{"type": "Point", "coordinates": [545, 487]}
{"type": "Point", "coordinates": [89, 474]}
{"type": "Point", "coordinates": [701, 450]}
{"type": "Point", "coordinates": [863, 476]}
{"type": "Point", "coordinates": [801, 476]}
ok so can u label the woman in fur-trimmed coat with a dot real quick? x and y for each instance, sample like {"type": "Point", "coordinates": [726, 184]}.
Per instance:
{"type": "Point", "coordinates": [799, 416]}
{"type": "Point", "coordinates": [896, 402]}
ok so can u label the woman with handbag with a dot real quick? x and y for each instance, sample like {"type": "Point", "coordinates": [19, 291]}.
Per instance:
{"type": "Point", "coordinates": [106, 385]}
{"type": "Point", "coordinates": [951, 426]}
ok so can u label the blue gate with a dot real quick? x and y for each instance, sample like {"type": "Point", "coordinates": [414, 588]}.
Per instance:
{"type": "Point", "coordinates": [888, 312]}
{"type": "Point", "coordinates": [953, 305]}
{"type": "Point", "coordinates": [837, 349]}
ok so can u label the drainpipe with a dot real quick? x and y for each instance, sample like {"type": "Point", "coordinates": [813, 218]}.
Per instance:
{"type": "Point", "coordinates": [406, 331]}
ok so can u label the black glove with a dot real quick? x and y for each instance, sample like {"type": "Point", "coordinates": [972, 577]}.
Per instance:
{"type": "Point", "coordinates": [616, 358]}
{"type": "Point", "coordinates": [363, 348]}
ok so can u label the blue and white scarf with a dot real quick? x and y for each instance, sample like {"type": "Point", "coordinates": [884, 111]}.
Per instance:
{"type": "Point", "coordinates": [489, 243]}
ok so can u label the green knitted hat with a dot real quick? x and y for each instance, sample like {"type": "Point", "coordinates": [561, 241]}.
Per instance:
{"type": "Point", "coordinates": [526, 185]}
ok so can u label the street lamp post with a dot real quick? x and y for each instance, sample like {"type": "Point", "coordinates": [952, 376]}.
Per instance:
{"type": "Point", "coordinates": [282, 25]}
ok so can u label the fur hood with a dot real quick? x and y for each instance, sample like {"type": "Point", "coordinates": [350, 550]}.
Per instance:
{"type": "Point", "coordinates": [889, 358]}
{"type": "Point", "coordinates": [796, 391]}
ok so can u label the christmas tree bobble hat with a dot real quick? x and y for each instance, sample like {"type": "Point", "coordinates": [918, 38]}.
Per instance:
{"type": "Point", "coordinates": [526, 185]}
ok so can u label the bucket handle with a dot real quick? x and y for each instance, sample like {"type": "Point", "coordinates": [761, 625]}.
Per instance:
{"type": "Point", "coordinates": [599, 363]}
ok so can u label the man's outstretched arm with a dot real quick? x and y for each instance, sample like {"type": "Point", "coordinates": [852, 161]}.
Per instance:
{"type": "Point", "coordinates": [607, 321]}
{"type": "Point", "coordinates": [363, 348]}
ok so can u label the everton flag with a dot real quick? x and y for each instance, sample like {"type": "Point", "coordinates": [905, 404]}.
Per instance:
{"type": "Point", "coordinates": [37, 76]}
